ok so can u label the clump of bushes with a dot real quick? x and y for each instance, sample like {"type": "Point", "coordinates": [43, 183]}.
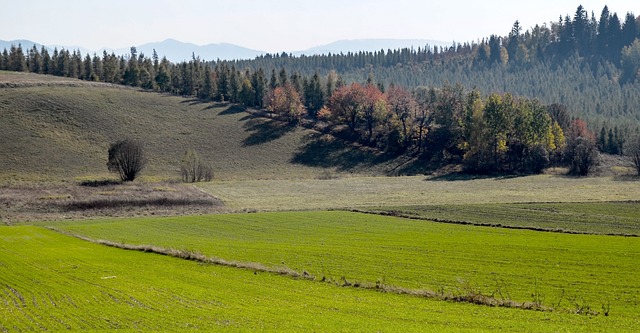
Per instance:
{"type": "Point", "coordinates": [193, 169]}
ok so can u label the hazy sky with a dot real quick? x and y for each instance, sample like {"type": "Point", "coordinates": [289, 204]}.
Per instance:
{"type": "Point", "coordinates": [276, 25]}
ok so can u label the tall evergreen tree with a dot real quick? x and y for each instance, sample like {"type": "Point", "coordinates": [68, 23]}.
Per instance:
{"type": "Point", "coordinates": [87, 73]}
{"type": "Point", "coordinates": [235, 85]}
{"type": "Point", "coordinates": [258, 81]}
{"type": "Point", "coordinates": [207, 88]}
{"type": "Point", "coordinates": [273, 82]}
{"type": "Point", "coordinates": [17, 58]}
{"type": "Point", "coordinates": [131, 75]}
{"type": "Point", "coordinates": [224, 84]}
{"type": "Point", "coordinates": [46, 61]}
{"type": "Point", "coordinates": [602, 40]}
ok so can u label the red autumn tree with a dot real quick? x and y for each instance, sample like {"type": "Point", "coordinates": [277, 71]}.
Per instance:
{"type": "Point", "coordinates": [285, 102]}
{"type": "Point", "coordinates": [375, 110]}
{"type": "Point", "coordinates": [346, 105]}
{"type": "Point", "coordinates": [578, 128]}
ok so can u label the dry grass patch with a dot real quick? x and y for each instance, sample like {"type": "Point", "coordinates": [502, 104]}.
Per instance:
{"type": "Point", "coordinates": [58, 201]}
{"type": "Point", "coordinates": [359, 192]}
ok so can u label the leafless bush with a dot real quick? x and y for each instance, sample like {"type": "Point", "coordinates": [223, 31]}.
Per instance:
{"type": "Point", "coordinates": [126, 158]}
{"type": "Point", "coordinates": [193, 169]}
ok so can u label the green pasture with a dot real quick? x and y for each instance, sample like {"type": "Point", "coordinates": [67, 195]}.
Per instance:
{"type": "Point", "coordinates": [52, 282]}
{"type": "Point", "coordinates": [571, 273]}
{"type": "Point", "coordinates": [597, 218]}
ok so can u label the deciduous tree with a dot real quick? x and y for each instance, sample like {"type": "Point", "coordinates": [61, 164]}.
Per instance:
{"type": "Point", "coordinates": [632, 150]}
{"type": "Point", "coordinates": [126, 158]}
{"type": "Point", "coordinates": [285, 102]}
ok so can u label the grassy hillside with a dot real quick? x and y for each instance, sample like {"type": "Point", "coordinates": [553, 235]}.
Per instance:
{"type": "Point", "coordinates": [561, 271]}
{"type": "Point", "coordinates": [51, 282]}
{"type": "Point", "coordinates": [56, 128]}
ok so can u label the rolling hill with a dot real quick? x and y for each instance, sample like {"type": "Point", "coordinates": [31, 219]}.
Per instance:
{"type": "Point", "coordinates": [58, 128]}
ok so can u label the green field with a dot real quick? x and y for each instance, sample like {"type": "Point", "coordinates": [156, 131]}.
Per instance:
{"type": "Point", "coordinates": [52, 282]}
{"type": "Point", "coordinates": [563, 271]}
{"type": "Point", "coordinates": [615, 218]}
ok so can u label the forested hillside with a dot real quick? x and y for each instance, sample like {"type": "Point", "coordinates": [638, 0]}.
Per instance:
{"type": "Point", "coordinates": [586, 63]}
{"type": "Point", "coordinates": [488, 103]}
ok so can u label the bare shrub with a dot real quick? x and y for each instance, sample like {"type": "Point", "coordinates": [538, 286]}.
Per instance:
{"type": "Point", "coordinates": [127, 159]}
{"type": "Point", "coordinates": [193, 169]}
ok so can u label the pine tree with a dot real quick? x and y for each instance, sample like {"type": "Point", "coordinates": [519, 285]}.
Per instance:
{"type": "Point", "coordinates": [61, 62]}
{"type": "Point", "coordinates": [98, 69]}
{"type": "Point", "coordinates": [131, 75]}
{"type": "Point", "coordinates": [17, 58]}
{"type": "Point", "coordinates": [282, 77]}
{"type": "Point", "coordinates": [234, 85]}
{"type": "Point", "coordinates": [314, 96]}
{"type": "Point", "coordinates": [602, 40]}
{"type": "Point", "coordinates": [35, 60]}
{"type": "Point", "coordinates": [223, 84]}
{"type": "Point", "coordinates": [163, 77]}
{"type": "Point", "coordinates": [207, 88]}
{"type": "Point", "coordinates": [602, 140]}
{"type": "Point", "coordinates": [46, 61]}
{"type": "Point", "coordinates": [258, 82]}
{"type": "Point", "coordinates": [88, 68]}
{"type": "Point", "coordinates": [4, 60]}
{"type": "Point", "coordinates": [273, 82]}
{"type": "Point", "coordinates": [612, 147]}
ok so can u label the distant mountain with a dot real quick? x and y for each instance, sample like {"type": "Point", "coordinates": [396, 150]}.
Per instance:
{"type": "Point", "coordinates": [174, 50]}
{"type": "Point", "coordinates": [177, 51]}
{"type": "Point", "coordinates": [370, 45]}
{"type": "Point", "coordinates": [28, 44]}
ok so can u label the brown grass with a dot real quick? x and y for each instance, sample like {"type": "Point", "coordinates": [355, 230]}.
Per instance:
{"type": "Point", "coordinates": [90, 199]}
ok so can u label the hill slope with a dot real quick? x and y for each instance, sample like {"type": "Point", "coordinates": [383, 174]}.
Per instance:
{"type": "Point", "coordinates": [60, 128]}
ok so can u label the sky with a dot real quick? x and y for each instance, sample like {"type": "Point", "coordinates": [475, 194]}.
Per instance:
{"type": "Point", "coordinates": [277, 25]}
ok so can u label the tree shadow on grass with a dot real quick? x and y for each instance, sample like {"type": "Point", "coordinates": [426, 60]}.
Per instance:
{"type": "Point", "coordinates": [326, 151]}
{"type": "Point", "coordinates": [627, 178]}
{"type": "Point", "coordinates": [192, 101]}
{"type": "Point", "coordinates": [263, 130]}
{"type": "Point", "coordinates": [461, 176]}
{"type": "Point", "coordinates": [232, 109]}
{"type": "Point", "coordinates": [214, 105]}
